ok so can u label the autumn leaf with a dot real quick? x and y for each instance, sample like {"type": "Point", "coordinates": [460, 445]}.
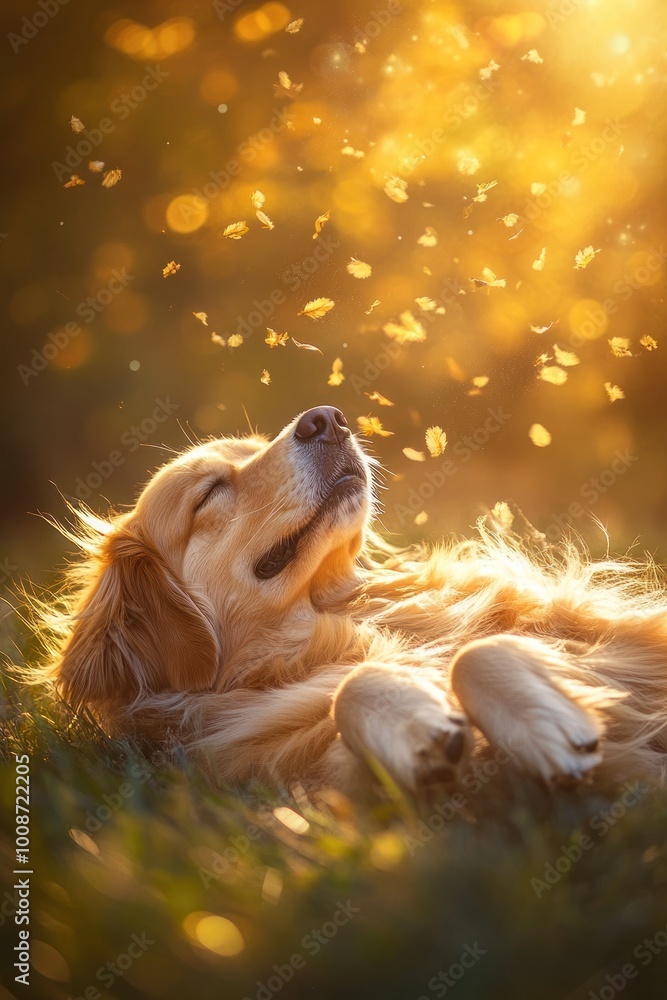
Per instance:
{"type": "Point", "coordinates": [584, 257]}
{"type": "Point", "coordinates": [614, 392]}
{"type": "Point", "coordinates": [479, 381]}
{"type": "Point", "coordinates": [408, 330]}
{"type": "Point", "coordinates": [579, 117]}
{"type": "Point", "coordinates": [539, 435]}
{"type": "Point", "coordinates": [76, 124]}
{"type": "Point", "coordinates": [285, 87]}
{"type": "Point", "coordinates": [543, 329]}
{"type": "Point", "coordinates": [532, 56]}
{"type": "Point", "coordinates": [202, 317]}
{"type": "Point", "coordinates": [426, 304]}
{"type": "Point", "coordinates": [565, 358]}
{"type": "Point", "coordinates": [436, 440]}
{"type": "Point", "coordinates": [538, 264]}
{"type": "Point", "coordinates": [649, 343]}
{"type": "Point", "coordinates": [235, 340]}
{"type": "Point", "coordinates": [489, 279]}
{"type": "Point", "coordinates": [257, 199]}
{"type": "Point", "coordinates": [358, 269]}
{"type": "Point", "coordinates": [265, 377]}
{"type": "Point", "coordinates": [372, 425]}
{"type": "Point", "coordinates": [414, 455]}
{"type": "Point", "coordinates": [553, 374]}
{"type": "Point", "coordinates": [509, 220]}
{"type": "Point", "coordinates": [111, 178]}
{"type": "Point", "coordinates": [374, 305]}
{"type": "Point", "coordinates": [620, 347]}
{"type": "Point", "coordinates": [305, 347]}
{"type": "Point", "coordinates": [74, 181]}
{"type": "Point", "coordinates": [467, 164]}
{"type": "Point", "coordinates": [217, 339]}
{"type": "Point", "coordinates": [377, 397]}
{"type": "Point", "coordinates": [482, 190]}
{"type": "Point", "coordinates": [294, 26]}
{"type": "Point", "coordinates": [171, 268]}
{"type": "Point", "coordinates": [265, 220]}
{"type": "Point", "coordinates": [429, 238]}
{"type": "Point", "coordinates": [537, 188]}
{"type": "Point", "coordinates": [317, 308]}
{"type": "Point", "coordinates": [274, 339]}
{"type": "Point", "coordinates": [320, 223]}
{"type": "Point", "coordinates": [421, 518]}
{"type": "Point", "coordinates": [396, 189]}
{"type": "Point", "coordinates": [96, 166]}
{"type": "Point", "coordinates": [235, 230]}
{"type": "Point", "coordinates": [336, 377]}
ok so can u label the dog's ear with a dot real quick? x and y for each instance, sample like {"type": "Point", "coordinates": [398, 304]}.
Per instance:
{"type": "Point", "coordinates": [137, 631]}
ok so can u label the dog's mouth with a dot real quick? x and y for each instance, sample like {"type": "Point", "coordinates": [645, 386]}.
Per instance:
{"type": "Point", "coordinates": [349, 483]}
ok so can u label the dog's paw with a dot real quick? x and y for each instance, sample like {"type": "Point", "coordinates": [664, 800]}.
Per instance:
{"type": "Point", "coordinates": [557, 740]}
{"type": "Point", "coordinates": [430, 749]}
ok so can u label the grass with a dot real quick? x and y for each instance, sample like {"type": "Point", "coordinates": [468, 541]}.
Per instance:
{"type": "Point", "coordinates": [123, 844]}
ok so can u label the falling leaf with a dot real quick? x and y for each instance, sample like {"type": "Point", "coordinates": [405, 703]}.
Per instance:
{"type": "Point", "coordinates": [553, 374]}
{"type": "Point", "coordinates": [235, 230]}
{"type": "Point", "coordinates": [543, 329]}
{"type": "Point", "coordinates": [421, 518]}
{"type": "Point", "coordinates": [111, 178]}
{"type": "Point", "coordinates": [360, 47]}
{"type": "Point", "coordinates": [426, 304]}
{"type": "Point", "coordinates": [584, 257]}
{"type": "Point", "coordinates": [294, 26]}
{"type": "Point", "coordinates": [467, 164]}
{"type": "Point", "coordinates": [257, 199]}
{"type": "Point", "coordinates": [489, 278]}
{"type": "Point", "coordinates": [614, 392]}
{"type": "Point", "coordinates": [436, 440]}
{"type": "Point", "coordinates": [502, 513]}
{"type": "Point", "coordinates": [320, 222]}
{"type": "Point", "coordinates": [77, 124]}
{"type": "Point", "coordinates": [408, 330]}
{"type": "Point", "coordinates": [372, 425]}
{"type": "Point", "coordinates": [96, 166]}
{"type": "Point", "coordinates": [358, 269]}
{"type": "Point", "coordinates": [620, 347]}
{"type": "Point", "coordinates": [377, 397]}
{"type": "Point", "coordinates": [429, 238]}
{"type": "Point", "coordinates": [317, 121]}
{"type": "Point", "coordinates": [532, 56]}
{"type": "Point", "coordinates": [482, 189]}
{"type": "Point", "coordinates": [305, 347]}
{"type": "Point", "coordinates": [516, 235]}
{"type": "Point", "coordinates": [216, 339]}
{"type": "Point", "coordinates": [336, 377]}
{"type": "Point", "coordinates": [538, 265]}
{"type": "Point", "coordinates": [396, 189]}
{"type": "Point", "coordinates": [171, 268]}
{"type": "Point", "coordinates": [566, 358]}
{"type": "Point", "coordinates": [317, 308]}
{"type": "Point", "coordinates": [265, 377]}
{"type": "Point", "coordinates": [539, 435]}
{"type": "Point", "coordinates": [649, 343]}
{"type": "Point", "coordinates": [486, 71]}
{"type": "Point", "coordinates": [202, 317]}
{"type": "Point", "coordinates": [285, 87]}
{"type": "Point", "coordinates": [274, 339]}
{"type": "Point", "coordinates": [509, 220]}
{"type": "Point", "coordinates": [537, 188]}
{"type": "Point", "coordinates": [374, 305]}
{"type": "Point", "coordinates": [579, 117]}
{"type": "Point", "coordinates": [358, 154]}
{"type": "Point", "coordinates": [74, 181]}
{"type": "Point", "coordinates": [480, 381]}
{"type": "Point", "coordinates": [235, 340]}
{"type": "Point", "coordinates": [265, 220]}
{"type": "Point", "coordinates": [414, 455]}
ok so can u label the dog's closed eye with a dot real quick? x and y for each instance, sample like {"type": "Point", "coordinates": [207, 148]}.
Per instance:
{"type": "Point", "coordinates": [212, 489]}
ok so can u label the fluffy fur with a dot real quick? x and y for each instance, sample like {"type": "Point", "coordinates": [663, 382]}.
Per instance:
{"type": "Point", "coordinates": [245, 605]}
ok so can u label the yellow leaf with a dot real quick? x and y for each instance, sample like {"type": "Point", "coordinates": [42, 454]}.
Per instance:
{"type": "Point", "coordinates": [320, 222]}
{"type": "Point", "coordinates": [358, 154]}
{"type": "Point", "coordinates": [468, 164]}
{"type": "Point", "coordinates": [538, 265]}
{"type": "Point", "coordinates": [235, 230]}
{"type": "Point", "coordinates": [96, 166]}
{"type": "Point", "coordinates": [216, 339]}
{"type": "Point", "coordinates": [537, 188]}
{"type": "Point", "coordinates": [202, 317]}
{"type": "Point", "coordinates": [265, 377]}
{"type": "Point", "coordinates": [358, 269]}
{"type": "Point", "coordinates": [111, 178]}
{"type": "Point", "coordinates": [317, 308]}
{"type": "Point", "coordinates": [372, 425]}
{"type": "Point", "coordinates": [374, 304]}
{"type": "Point", "coordinates": [566, 358]}
{"type": "Point", "coordinates": [436, 440]}
{"type": "Point", "coordinates": [620, 347]}
{"type": "Point", "coordinates": [614, 392]}
{"type": "Point", "coordinates": [274, 339]}
{"type": "Point", "coordinates": [532, 56]}
{"type": "Point", "coordinates": [539, 435]}
{"type": "Point", "coordinates": [489, 278]}
{"type": "Point", "coordinates": [285, 87]}
{"type": "Point", "coordinates": [584, 257]}
{"type": "Point", "coordinates": [414, 455]}
{"type": "Point", "coordinates": [264, 219]}
{"type": "Point", "coordinates": [377, 397]}
{"type": "Point", "coordinates": [542, 329]}
{"type": "Point", "coordinates": [421, 518]}
{"type": "Point", "coordinates": [502, 513]}
{"type": "Point", "coordinates": [305, 347]}
{"type": "Point", "coordinates": [171, 268]}
{"type": "Point", "coordinates": [336, 377]}
{"type": "Point", "coordinates": [553, 374]}
{"type": "Point", "coordinates": [480, 381]}
{"type": "Point", "coordinates": [257, 199]}
{"type": "Point", "coordinates": [429, 238]}
{"type": "Point", "coordinates": [294, 26]}
{"type": "Point", "coordinates": [235, 340]}
{"type": "Point", "coordinates": [482, 189]}
{"type": "Point", "coordinates": [426, 304]}
{"type": "Point", "coordinates": [77, 124]}
{"type": "Point", "coordinates": [408, 330]}
{"type": "Point", "coordinates": [649, 343]}
{"type": "Point", "coordinates": [486, 71]}
{"type": "Point", "coordinates": [579, 117]}
{"type": "Point", "coordinates": [509, 220]}
{"type": "Point", "coordinates": [74, 181]}
{"type": "Point", "coordinates": [396, 189]}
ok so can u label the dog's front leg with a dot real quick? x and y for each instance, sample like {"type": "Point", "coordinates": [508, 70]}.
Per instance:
{"type": "Point", "coordinates": [408, 727]}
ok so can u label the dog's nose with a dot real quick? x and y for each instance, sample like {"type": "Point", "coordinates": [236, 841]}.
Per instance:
{"type": "Point", "coordinates": [322, 423]}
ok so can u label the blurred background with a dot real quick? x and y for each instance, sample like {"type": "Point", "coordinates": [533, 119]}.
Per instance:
{"type": "Point", "coordinates": [499, 168]}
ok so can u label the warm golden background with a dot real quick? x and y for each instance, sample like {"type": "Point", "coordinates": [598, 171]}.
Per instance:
{"type": "Point", "coordinates": [561, 105]}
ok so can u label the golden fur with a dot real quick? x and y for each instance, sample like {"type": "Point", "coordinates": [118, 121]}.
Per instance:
{"type": "Point", "coordinates": [351, 655]}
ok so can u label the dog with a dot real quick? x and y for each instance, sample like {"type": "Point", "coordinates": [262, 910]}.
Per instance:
{"type": "Point", "coordinates": [246, 607]}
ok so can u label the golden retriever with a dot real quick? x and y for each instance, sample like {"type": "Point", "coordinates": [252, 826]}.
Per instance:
{"type": "Point", "coordinates": [245, 606]}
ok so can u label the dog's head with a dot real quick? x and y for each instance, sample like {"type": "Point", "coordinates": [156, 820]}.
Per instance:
{"type": "Point", "coordinates": [230, 543]}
